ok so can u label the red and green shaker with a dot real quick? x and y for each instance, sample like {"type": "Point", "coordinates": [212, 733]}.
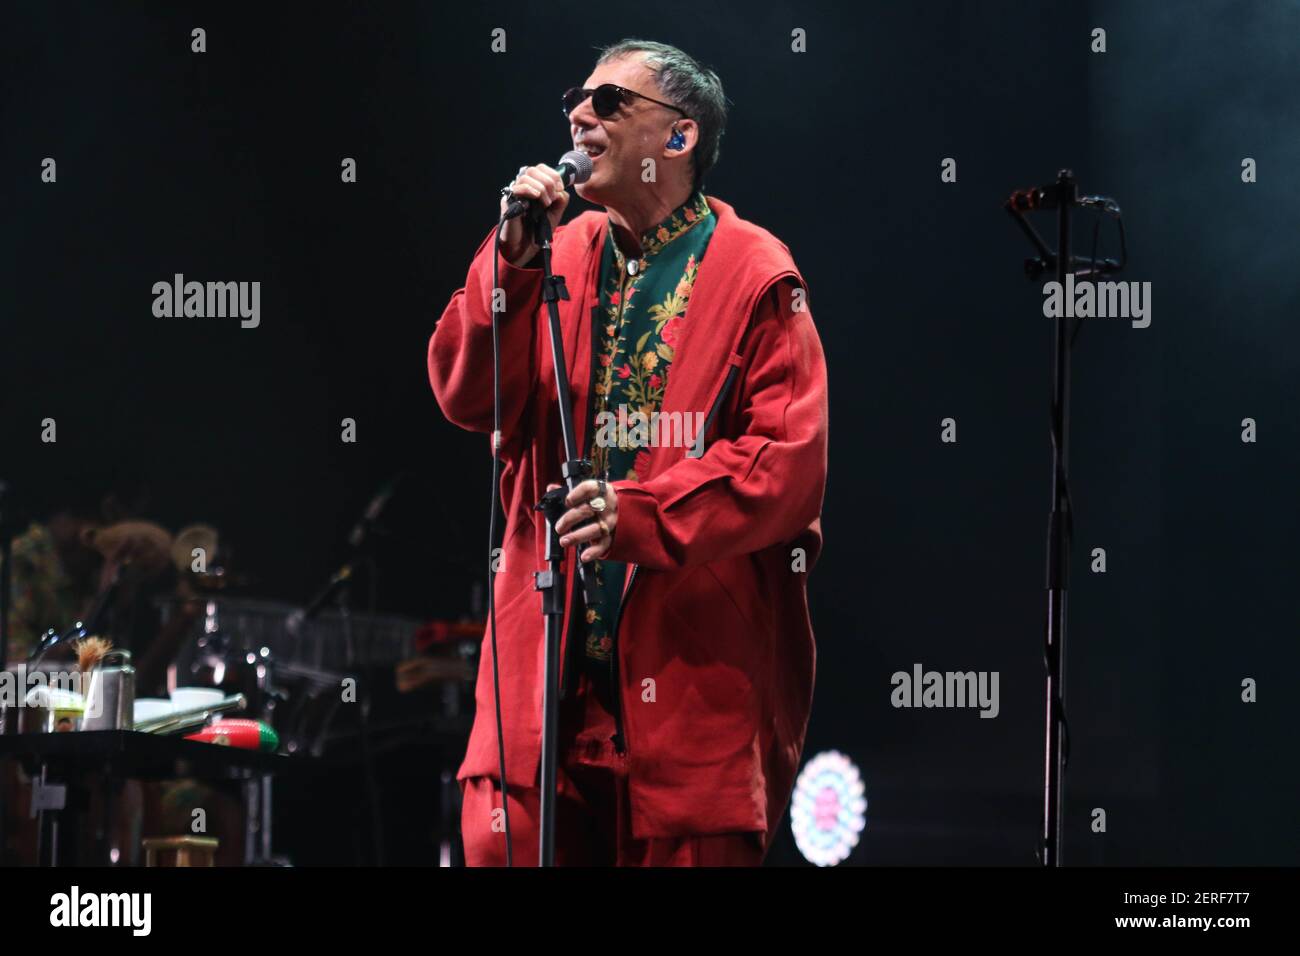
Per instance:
{"type": "Point", "coordinates": [238, 732]}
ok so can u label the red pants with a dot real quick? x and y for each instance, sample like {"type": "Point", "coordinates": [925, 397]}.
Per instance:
{"type": "Point", "coordinates": [593, 825]}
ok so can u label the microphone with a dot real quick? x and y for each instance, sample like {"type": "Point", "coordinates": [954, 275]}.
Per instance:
{"type": "Point", "coordinates": [1046, 197]}
{"type": "Point", "coordinates": [373, 510]}
{"type": "Point", "coordinates": [574, 167]}
{"type": "Point", "coordinates": [294, 622]}
{"type": "Point", "coordinates": [1103, 203]}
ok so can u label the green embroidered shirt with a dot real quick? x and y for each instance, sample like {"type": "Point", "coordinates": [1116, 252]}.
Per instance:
{"type": "Point", "coordinates": [642, 304]}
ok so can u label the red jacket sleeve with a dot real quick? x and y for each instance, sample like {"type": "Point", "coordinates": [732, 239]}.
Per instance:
{"type": "Point", "coordinates": [460, 350]}
{"type": "Point", "coordinates": [756, 489]}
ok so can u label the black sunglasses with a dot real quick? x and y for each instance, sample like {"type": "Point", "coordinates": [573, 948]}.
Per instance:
{"type": "Point", "coordinates": [607, 98]}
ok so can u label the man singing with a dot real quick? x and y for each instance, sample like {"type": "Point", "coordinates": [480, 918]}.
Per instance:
{"type": "Point", "coordinates": [687, 685]}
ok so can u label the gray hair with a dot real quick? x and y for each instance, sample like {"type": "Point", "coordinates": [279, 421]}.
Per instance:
{"type": "Point", "coordinates": [686, 83]}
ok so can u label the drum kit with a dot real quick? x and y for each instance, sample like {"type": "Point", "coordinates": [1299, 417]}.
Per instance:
{"type": "Point", "coordinates": [340, 688]}
{"type": "Point", "coordinates": [298, 669]}
{"type": "Point", "coordinates": [333, 685]}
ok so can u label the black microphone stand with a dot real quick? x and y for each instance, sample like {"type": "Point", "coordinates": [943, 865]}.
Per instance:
{"type": "Point", "coordinates": [551, 581]}
{"type": "Point", "coordinates": [1058, 541]}
{"type": "Point", "coordinates": [1062, 195]}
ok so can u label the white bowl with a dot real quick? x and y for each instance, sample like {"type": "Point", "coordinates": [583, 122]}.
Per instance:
{"type": "Point", "coordinates": [187, 698]}
{"type": "Point", "coordinates": [147, 708]}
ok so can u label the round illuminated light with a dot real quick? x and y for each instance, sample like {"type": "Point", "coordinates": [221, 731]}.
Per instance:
{"type": "Point", "coordinates": [828, 810]}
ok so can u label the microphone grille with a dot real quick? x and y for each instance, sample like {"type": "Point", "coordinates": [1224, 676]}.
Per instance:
{"type": "Point", "coordinates": [581, 164]}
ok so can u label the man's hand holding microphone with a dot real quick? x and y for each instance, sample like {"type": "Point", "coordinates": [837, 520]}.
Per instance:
{"type": "Point", "coordinates": [542, 185]}
{"type": "Point", "coordinates": [592, 513]}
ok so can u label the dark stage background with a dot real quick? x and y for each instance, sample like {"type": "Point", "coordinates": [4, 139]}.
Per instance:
{"type": "Point", "coordinates": [225, 166]}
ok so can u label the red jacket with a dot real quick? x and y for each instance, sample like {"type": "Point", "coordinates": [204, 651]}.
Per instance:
{"type": "Point", "coordinates": [716, 613]}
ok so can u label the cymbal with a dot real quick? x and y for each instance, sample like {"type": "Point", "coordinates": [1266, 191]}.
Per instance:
{"type": "Point", "coordinates": [191, 538]}
{"type": "Point", "coordinates": [146, 544]}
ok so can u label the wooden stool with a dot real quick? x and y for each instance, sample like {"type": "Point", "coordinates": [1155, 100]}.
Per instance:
{"type": "Point", "coordinates": [179, 851]}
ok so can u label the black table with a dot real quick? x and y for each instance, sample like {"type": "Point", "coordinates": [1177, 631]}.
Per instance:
{"type": "Point", "coordinates": [128, 753]}
{"type": "Point", "coordinates": [117, 755]}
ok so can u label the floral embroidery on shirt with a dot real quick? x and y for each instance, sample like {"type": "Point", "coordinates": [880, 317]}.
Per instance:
{"type": "Point", "coordinates": [635, 345]}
